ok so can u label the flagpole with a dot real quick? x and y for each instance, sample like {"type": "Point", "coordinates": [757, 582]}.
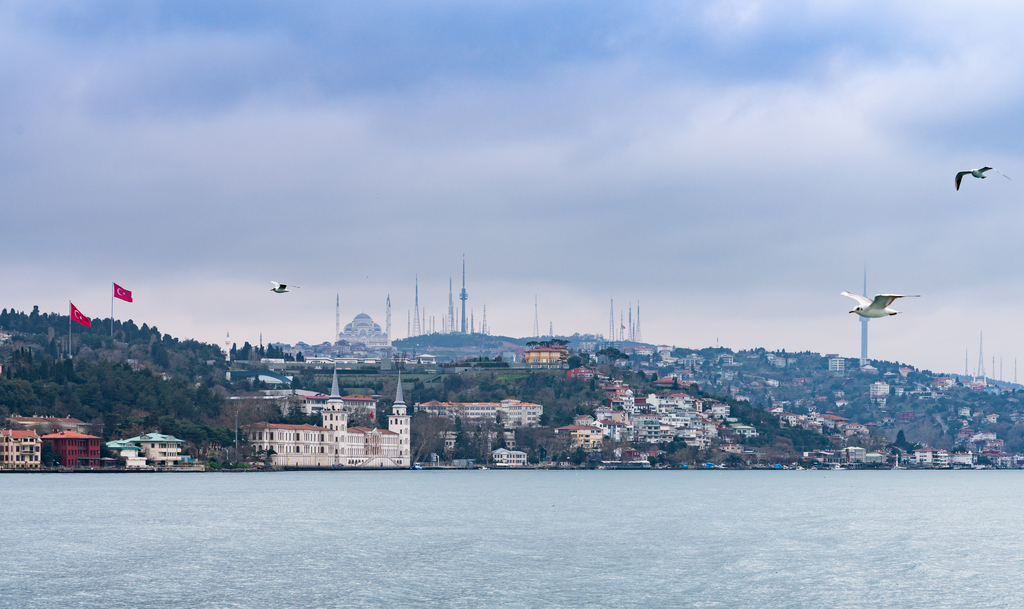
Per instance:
{"type": "Point", "coordinates": [111, 309]}
{"type": "Point", "coordinates": [69, 328]}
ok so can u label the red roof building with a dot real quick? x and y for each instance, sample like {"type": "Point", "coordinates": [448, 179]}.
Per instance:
{"type": "Point", "coordinates": [74, 449]}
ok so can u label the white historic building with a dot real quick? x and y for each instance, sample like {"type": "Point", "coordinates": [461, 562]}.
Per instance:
{"type": "Point", "coordinates": [513, 413]}
{"type": "Point", "coordinates": [335, 444]}
{"type": "Point", "coordinates": [362, 329]}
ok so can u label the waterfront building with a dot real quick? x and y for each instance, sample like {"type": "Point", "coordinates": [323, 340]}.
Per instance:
{"type": "Point", "coordinates": [295, 445]}
{"type": "Point", "coordinates": [20, 449]}
{"type": "Point", "coordinates": [583, 372]}
{"type": "Point", "coordinates": [931, 457]}
{"type": "Point", "coordinates": [160, 449]}
{"type": "Point", "coordinates": [130, 452]}
{"type": "Point", "coordinates": [335, 444]}
{"type": "Point", "coordinates": [512, 413]}
{"type": "Point", "coordinates": [504, 457]}
{"type": "Point", "coordinates": [74, 449]}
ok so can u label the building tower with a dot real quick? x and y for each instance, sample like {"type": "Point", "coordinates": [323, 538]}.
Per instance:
{"type": "Point", "coordinates": [536, 322]}
{"type": "Point", "coordinates": [463, 295]}
{"type": "Point", "coordinates": [451, 308]}
{"type": "Point", "coordinates": [638, 337]}
{"type": "Point", "coordinates": [981, 358]}
{"type": "Point", "coordinates": [864, 326]}
{"type": "Point", "coordinates": [611, 322]}
{"type": "Point", "coordinates": [337, 318]}
{"type": "Point", "coordinates": [387, 317]}
{"type": "Point", "coordinates": [483, 324]}
{"type": "Point", "coordinates": [400, 423]}
{"type": "Point", "coordinates": [416, 317]}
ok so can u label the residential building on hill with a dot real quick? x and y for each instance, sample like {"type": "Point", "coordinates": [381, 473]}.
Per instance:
{"type": "Point", "coordinates": [130, 452]}
{"type": "Point", "coordinates": [504, 457]}
{"type": "Point", "coordinates": [513, 413]}
{"type": "Point", "coordinates": [49, 424]}
{"type": "Point", "coordinates": [546, 355]}
{"type": "Point", "coordinates": [583, 436]}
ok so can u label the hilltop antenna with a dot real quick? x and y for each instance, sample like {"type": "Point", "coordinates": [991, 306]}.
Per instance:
{"type": "Point", "coordinates": [451, 309]}
{"type": "Point", "coordinates": [638, 338]}
{"type": "Point", "coordinates": [408, 325]}
{"type": "Point", "coordinates": [463, 295]}
{"type": "Point", "coordinates": [536, 323]}
{"type": "Point", "coordinates": [416, 319]}
{"type": "Point", "coordinates": [387, 316]}
{"type": "Point", "coordinates": [980, 372]}
{"type": "Point", "coordinates": [483, 324]}
{"type": "Point", "coordinates": [622, 328]}
{"type": "Point", "coordinates": [337, 318]}
{"type": "Point", "coordinates": [551, 329]}
{"type": "Point", "coordinates": [631, 338]}
{"type": "Point", "coordinates": [611, 322]}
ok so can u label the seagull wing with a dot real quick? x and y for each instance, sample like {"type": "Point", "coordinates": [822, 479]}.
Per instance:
{"type": "Point", "coordinates": [959, 176]}
{"type": "Point", "coordinates": [860, 299]}
{"type": "Point", "coordinates": [882, 301]}
{"type": "Point", "coordinates": [275, 284]}
{"type": "Point", "coordinates": [984, 169]}
{"type": "Point", "coordinates": [1002, 174]}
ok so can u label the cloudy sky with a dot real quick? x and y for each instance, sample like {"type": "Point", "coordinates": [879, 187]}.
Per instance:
{"type": "Point", "coordinates": [732, 166]}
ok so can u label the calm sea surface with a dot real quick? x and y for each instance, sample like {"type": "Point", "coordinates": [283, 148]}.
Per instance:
{"type": "Point", "coordinates": [513, 539]}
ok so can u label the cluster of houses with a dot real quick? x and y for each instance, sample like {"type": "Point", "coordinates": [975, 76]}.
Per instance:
{"type": "Point", "coordinates": [653, 419]}
{"type": "Point", "coordinates": [22, 448]}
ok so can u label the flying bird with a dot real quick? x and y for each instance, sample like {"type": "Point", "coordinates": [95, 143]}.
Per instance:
{"type": "Point", "coordinates": [879, 307]}
{"type": "Point", "coordinates": [977, 173]}
{"type": "Point", "coordinates": [280, 287]}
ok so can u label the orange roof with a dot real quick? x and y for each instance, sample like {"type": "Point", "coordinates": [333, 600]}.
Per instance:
{"type": "Point", "coordinates": [19, 433]}
{"type": "Point", "coordinates": [69, 434]}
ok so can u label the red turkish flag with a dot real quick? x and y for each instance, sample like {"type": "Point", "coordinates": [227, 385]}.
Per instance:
{"type": "Point", "coordinates": [77, 316]}
{"type": "Point", "coordinates": [122, 293]}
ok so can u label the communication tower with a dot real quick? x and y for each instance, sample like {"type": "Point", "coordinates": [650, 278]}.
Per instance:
{"type": "Point", "coordinates": [463, 296]}
{"type": "Point", "coordinates": [611, 322]}
{"type": "Point", "coordinates": [387, 318]}
{"type": "Point", "coordinates": [864, 326]}
{"type": "Point", "coordinates": [483, 324]}
{"type": "Point", "coordinates": [337, 318]}
{"type": "Point", "coordinates": [981, 357]}
{"type": "Point", "coordinates": [416, 318]}
{"type": "Point", "coordinates": [638, 338]}
{"type": "Point", "coordinates": [450, 322]}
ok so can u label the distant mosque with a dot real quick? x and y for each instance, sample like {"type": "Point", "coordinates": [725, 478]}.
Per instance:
{"type": "Point", "coordinates": [362, 329]}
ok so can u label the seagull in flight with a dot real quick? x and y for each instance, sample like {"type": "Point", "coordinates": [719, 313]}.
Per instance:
{"type": "Point", "coordinates": [879, 307]}
{"type": "Point", "coordinates": [280, 287]}
{"type": "Point", "coordinates": [977, 173]}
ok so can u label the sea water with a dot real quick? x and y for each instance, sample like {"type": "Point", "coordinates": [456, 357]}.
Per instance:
{"type": "Point", "coordinates": [513, 539]}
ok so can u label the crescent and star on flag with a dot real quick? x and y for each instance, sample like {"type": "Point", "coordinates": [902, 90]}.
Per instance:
{"type": "Point", "coordinates": [78, 317]}
{"type": "Point", "coordinates": [123, 294]}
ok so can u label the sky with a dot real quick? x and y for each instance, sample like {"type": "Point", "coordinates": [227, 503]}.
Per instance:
{"type": "Point", "coordinates": [732, 166]}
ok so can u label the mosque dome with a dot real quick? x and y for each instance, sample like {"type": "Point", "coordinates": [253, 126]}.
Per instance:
{"type": "Point", "coordinates": [362, 329]}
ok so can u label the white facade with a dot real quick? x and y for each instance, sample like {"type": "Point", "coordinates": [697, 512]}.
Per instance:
{"type": "Point", "coordinates": [504, 457]}
{"type": "Point", "coordinates": [513, 412]}
{"type": "Point", "coordinates": [335, 444]}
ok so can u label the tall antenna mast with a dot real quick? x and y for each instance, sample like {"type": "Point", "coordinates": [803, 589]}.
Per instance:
{"type": "Point", "coordinates": [387, 320]}
{"type": "Point", "coordinates": [551, 329]}
{"type": "Point", "coordinates": [622, 328]}
{"type": "Point", "coordinates": [981, 357]}
{"type": "Point", "coordinates": [536, 322]}
{"type": "Point", "coordinates": [416, 318]}
{"type": "Point", "coordinates": [611, 322]}
{"type": "Point", "coordinates": [463, 295]}
{"type": "Point", "coordinates": [337, 318]}
{"type": "Point", "coordinates": [451, 308]}
{"type": "Point", "coordinates": [638, 338]}
{"type": "Point", "coordinates": [631, 321]}
{"type": "Point", "coordinates": [483, 324]}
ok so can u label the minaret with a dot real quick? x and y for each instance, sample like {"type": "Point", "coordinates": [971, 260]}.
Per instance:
{"type": "Point", "coordinates": [638, 338]}
{"type": "Point", "coordinates": [463, 296]}
{"type": "Point", "coordinates": [416, 318]}
{"type": "Point", "coordinates": [337, 318]}
{"type": "Point", "coordinates": [336, 419]}
{"type": "Point", "coordinates": [387, 317]}
{"type": "Point", "coordinates": [399, 422]}
{"type": "Point", "coordinates": [227, 348]}
{"type": "Point", "coordinates": [864, 326]}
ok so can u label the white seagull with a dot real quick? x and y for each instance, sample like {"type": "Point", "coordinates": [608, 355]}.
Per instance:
{"type": "Point", "coordinates": [977, 173]}
{"type": "Point", "coordinates": [280, 287]}
{"type": "Point", "coordinates": [879, 307]}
